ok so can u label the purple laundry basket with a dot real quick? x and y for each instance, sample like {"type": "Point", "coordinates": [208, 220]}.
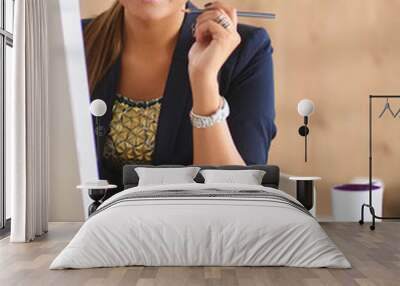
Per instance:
{"type": "Point", "coordinates": [348, 198]}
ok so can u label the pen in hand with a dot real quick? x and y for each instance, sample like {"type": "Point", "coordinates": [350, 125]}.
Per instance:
{"type": "Point", "coordinates": [270, 16]}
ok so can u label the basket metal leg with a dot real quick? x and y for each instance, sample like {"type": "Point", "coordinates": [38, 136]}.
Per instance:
{"type": "Point", "coordinates": [372, 210]}
{"type": "Point", "coordinates": [361, 221]}
{"type": "Point", "coordinates": [374, 216]}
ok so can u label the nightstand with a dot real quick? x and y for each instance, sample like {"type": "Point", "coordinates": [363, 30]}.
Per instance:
{"type": "Point", "coordinates": [305, 190]}
{"type": "Point", "coordinates": [97, 192]}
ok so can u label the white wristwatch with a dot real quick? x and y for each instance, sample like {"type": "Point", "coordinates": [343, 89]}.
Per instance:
{"type": "Point", "coordinates": [199, 121]}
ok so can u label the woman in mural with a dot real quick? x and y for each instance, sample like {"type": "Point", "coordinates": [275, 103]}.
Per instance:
{"type": "Point", "coordinates": [181, 88]}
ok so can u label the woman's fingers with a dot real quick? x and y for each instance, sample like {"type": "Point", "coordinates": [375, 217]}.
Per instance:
{"type": "Point", "coordinates": [216, 38]}
{"type": "Point", "coordinates": [210, 14]}
{"type": "Point", "coordinates": [214, 15]}
{"type": "Point", "coordinates": [228, 9]}
{"type": "Point", "coordinates": [209, 29]}
{"type": "Point", "coordinates": [222, 15]}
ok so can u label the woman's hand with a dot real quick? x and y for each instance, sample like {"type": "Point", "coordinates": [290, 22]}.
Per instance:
{"type": "Point", "coordinates": [214, 44]}
{"type": "Point", "coordinates": [216, 38]}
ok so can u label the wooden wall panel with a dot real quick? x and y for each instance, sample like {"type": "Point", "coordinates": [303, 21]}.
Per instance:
{"type": "Point", "coordinates": [335, 53]}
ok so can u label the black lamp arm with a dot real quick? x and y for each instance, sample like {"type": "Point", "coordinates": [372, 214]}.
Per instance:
{"type": "Point", "coordinates": [304, 131]}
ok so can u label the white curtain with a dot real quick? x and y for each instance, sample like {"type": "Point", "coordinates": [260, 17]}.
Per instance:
{"type": "Point", "coordinates": [29, 123]}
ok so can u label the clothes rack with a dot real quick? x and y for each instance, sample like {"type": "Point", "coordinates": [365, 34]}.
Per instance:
{"type": "Point", "coordinates": [370, 205]}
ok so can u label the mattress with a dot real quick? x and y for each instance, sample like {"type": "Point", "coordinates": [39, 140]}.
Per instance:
{"type": "Point", "coordinates": [201, 225]}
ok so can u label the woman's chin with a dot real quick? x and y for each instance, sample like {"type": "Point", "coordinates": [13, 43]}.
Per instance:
{"type": "Point", "coordinates": [152, 13]}
{"type": "Point", "coordinates": [153, 16]}
{"type": "Point", "coordinates": [151, 10]}
{"type": "Point", "coordinates": [151, 1]}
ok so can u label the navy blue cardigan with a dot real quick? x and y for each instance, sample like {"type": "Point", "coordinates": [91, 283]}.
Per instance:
{"type": "Point", "coordinates": [245, 80]}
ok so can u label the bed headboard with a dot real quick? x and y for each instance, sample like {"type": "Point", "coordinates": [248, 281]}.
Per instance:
{"type": "Point", "coordinates": [270, 179]}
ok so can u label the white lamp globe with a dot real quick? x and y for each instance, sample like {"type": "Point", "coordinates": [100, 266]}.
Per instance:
{"type": "Point", "coordinates": [305, 107]}
{"type": "Point", "coordinates": [98, 107]}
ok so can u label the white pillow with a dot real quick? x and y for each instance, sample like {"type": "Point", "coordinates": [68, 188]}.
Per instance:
{"type": "Point", "coordinates": [248, 177]}
{"type": "Point", "coordinates": [163, 176]}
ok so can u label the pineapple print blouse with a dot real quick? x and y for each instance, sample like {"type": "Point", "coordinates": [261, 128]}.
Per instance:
{"type": "Point", "coordinates": [132, 134]}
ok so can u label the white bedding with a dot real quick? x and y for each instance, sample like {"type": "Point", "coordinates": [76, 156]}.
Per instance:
{"type": "Point", "coordinates": [183, 231]}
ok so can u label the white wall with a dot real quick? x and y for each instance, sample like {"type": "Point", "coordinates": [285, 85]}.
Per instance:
{"type": "Point", "coordinates": [8, 142]}
{"type": "Point", "coordinates": [65, 202]}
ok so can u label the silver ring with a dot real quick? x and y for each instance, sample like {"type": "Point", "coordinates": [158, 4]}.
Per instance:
{"type": "Point", "coordinates": [223, 21]}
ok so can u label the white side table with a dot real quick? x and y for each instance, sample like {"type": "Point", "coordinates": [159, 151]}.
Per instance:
{"type": "Point", "coordinates": [305, 190]}
{"type": "Point", "coordinates": [97, 193]}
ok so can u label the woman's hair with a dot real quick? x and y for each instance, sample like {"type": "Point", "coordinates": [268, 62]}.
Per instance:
{"type": "Point", "coordinates": [103, 42]}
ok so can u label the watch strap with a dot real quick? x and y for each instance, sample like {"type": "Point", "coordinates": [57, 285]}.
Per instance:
{"type": "Point", "coordinates": [200, 121]}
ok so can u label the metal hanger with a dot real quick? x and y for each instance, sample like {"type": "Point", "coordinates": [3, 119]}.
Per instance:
{"type": "Point", "coordinates": [397, 113]}
{"type": "Point", "coordinates": [387, 107]}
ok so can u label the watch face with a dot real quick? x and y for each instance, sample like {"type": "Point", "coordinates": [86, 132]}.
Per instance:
{"type": "Point", "coordinates": [220, 115]}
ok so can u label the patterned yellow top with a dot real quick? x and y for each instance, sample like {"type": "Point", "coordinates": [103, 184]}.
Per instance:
{"type": "Point", "coordinates": [132, 134]}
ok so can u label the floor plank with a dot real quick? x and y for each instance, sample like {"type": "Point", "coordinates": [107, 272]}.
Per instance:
{"type": "Point", "coordinates": [375, 257]}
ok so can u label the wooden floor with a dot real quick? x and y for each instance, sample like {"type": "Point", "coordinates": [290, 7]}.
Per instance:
{"type": "Point", "coordinates": [375, 257]}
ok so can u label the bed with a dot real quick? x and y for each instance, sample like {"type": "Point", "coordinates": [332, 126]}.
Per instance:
{"type": "Point", "coordinates": [201, 224]}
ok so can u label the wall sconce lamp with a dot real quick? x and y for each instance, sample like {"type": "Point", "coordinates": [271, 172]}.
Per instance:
{"type": "Point", "coordinates": [305, 108]}
{"type": "Point", "coordinates": [98, 108]}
